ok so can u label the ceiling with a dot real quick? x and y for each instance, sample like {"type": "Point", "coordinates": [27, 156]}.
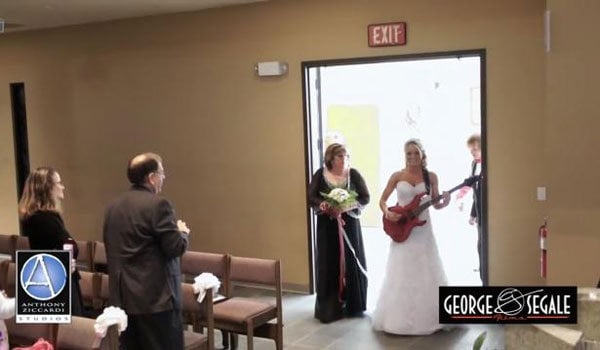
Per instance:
{"type": "Point", "coordinates": [21, 15]}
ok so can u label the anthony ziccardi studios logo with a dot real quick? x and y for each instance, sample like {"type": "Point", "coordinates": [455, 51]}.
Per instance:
{"type": "Point", "coordinates": [508, 305]}
{"type": "Point", "coordinates": [43, 287]}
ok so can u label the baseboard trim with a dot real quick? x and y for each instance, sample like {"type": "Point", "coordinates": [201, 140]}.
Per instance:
{"type": "Point", "coordinates": [286, 287]}
{"type": "Point", "coordinates": [295, 288]}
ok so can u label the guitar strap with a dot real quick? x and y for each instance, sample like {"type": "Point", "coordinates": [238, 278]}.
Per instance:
{"type": "Point", "coordinates": [427, 181]}
{"type": "Point", "coordinates": [351, 248]}
{"type": "Point", "coordinates": [352, 214]}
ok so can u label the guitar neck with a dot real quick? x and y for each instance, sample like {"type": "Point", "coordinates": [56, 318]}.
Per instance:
{"type": "Point", "coordinates": [418, 210]}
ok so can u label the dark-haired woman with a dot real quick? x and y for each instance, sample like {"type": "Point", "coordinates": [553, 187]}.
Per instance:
{"type": "Point", "coordinates": [341, 281]}
{"type": "Point", "coordinates": [40, 214]}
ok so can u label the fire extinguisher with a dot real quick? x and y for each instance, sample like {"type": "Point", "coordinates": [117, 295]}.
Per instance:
{"type": "Point", "coordinates": [543, 233]}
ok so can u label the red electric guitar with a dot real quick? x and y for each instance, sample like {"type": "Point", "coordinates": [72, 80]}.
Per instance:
{"type": "Point", "coordinates": [400, 230]}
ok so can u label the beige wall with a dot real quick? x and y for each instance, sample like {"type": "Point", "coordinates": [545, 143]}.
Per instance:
{"type": "Point", "coordinates": [571, 140]}
{"type": "Point", "coordinates": [183, 86]}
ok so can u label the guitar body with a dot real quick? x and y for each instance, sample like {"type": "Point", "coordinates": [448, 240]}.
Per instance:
{"type": "Point", "coordinates": [401, 229]}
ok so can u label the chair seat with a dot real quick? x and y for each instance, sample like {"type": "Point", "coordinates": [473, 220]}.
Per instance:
{"type": "Point", "coordinates": [193, 340]}
{"type": "Point", "coordinates": [239, 310]}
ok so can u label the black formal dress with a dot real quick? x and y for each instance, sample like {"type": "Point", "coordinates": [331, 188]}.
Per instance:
{"type": "Point", "coordinates": [46, 231]}
{"type": "Point", "coordinates": [330, 305]}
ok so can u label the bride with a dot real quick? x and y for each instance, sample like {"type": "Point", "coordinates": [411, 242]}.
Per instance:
{"type": "Point", "coordinates": [408, 303]}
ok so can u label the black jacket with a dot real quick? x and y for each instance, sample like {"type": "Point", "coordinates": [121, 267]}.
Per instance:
{"type": "Point", "coordinates": [143, 246]}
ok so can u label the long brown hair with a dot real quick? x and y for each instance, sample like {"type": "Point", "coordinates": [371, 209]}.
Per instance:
{"type": "Point", "coordinates": [37, 193]}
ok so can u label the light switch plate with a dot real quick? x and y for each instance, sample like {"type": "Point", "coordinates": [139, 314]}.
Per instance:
{"type": "Point", "coordinates": [541, 193]}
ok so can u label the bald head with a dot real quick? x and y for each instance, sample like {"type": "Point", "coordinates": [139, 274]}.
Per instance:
{"type": "Point", "coordinates": [141, 166]}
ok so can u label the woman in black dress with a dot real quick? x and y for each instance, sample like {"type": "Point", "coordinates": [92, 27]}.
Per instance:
{"type": "Point", "coordinates": [339, 295]}
{"type": "Point", "coordinates": [40, 215]}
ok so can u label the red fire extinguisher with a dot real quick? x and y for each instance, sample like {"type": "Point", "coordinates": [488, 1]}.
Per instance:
{"type": "Point", "coordinates": [543, 232]}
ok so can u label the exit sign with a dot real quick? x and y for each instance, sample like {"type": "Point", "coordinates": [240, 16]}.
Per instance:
{"type": "Point", "coordinates": [387, 34]}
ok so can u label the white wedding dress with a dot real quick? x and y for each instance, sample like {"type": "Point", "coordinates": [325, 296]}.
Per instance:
{"type": "Point", "coordinates": [408, 302]}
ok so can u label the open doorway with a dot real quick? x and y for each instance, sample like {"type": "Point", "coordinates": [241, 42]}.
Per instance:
{"type": "Point", "coordinates": [373, 105]}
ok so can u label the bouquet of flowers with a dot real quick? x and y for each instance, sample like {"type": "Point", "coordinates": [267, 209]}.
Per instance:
{"type": "Point", "coordinates": [341, 200]}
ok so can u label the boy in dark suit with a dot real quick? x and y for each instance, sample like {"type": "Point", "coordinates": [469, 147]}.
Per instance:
{"type": "Point", "coordinates": [474, 145]}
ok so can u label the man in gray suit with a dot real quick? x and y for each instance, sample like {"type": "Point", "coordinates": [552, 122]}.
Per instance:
{"type": "Point", "coordinates": [143, 244]}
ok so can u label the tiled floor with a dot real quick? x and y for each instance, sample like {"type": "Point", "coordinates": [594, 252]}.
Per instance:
{"type": "Point", "coordinates": [302, 332]}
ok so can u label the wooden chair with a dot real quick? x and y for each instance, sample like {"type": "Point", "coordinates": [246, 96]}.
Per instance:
{"type": "Point", "coordinates": [195, 263]}
{"type": "Point", "coordinates": [80, 335]}
{"type": "Point", "coordinates": [90, 289]}
{"type": "Point", "coordinates": [201, 313]}
{"type": "Point", "coordinates": [9, 283]}
{"type": "Point", "coordinates": [102, 294]}
{"type": "Point", "coordinates": [99, 263]}
{"type": "Point", "coordinates": [3, 271]}
{"type": "Point", "coordinates": [7, 246]}
{"type": "Point", "coordinates": [251, 316]}
{"type": "Point", "coordinates": [85, 256]}
{"type": "Point", "coordinates": [22, 334]}
{"type": "Point", "coordinates": [198, 313]}
{"type": "Point", "coordinates": [27, 334]}
{"type": "Point", "coordinates": [20, 243]}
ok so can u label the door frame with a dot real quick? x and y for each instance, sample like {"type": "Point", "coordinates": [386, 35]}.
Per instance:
{"type": "Point", "coordinates": [308, 129]}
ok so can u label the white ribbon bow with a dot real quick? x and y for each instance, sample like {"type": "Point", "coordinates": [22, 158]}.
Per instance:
{"type": "Point", "coordinates": [111, 315]}
{"type": "Point", "coordinates": [203, 282]}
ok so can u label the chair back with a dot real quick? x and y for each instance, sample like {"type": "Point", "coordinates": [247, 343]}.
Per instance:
{"type": "Point", "coordinates": [103, 291]}
{"type": "Point", "coordinates": [253, 316]}
{"type": "Point", "coordinates": [195, 263]}
{"type": "Point", "coordinates": [27, 334]}
{"type": "Point", "coordinates": [3, 272]}
{"type": "Point", "coordinates": [10, 283]}
{"type": "Point", "coordinates": [255, 270]}
{"type": "Point", "coordinates": [21, 243]}
{"type": "Point", "coordinates": [258, 271]}
{"type": "Point", "coordinates": [80, 334]}
{"type": "Point", "coordinates": [85, 256]}
{"type": "Point", "coordinates": [99, 258]}
{"type": "Point", "coordinates": [90, 287]}
{"type": "Point", "coordinates": [7, 244]}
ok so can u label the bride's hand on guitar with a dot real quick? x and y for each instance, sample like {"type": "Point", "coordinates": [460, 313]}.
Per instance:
{"type": "Point", "coordinates": [390, 215]}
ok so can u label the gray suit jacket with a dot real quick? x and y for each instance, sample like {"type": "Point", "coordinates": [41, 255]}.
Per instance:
{"type": "Point", "coordinates": [143, 246]}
